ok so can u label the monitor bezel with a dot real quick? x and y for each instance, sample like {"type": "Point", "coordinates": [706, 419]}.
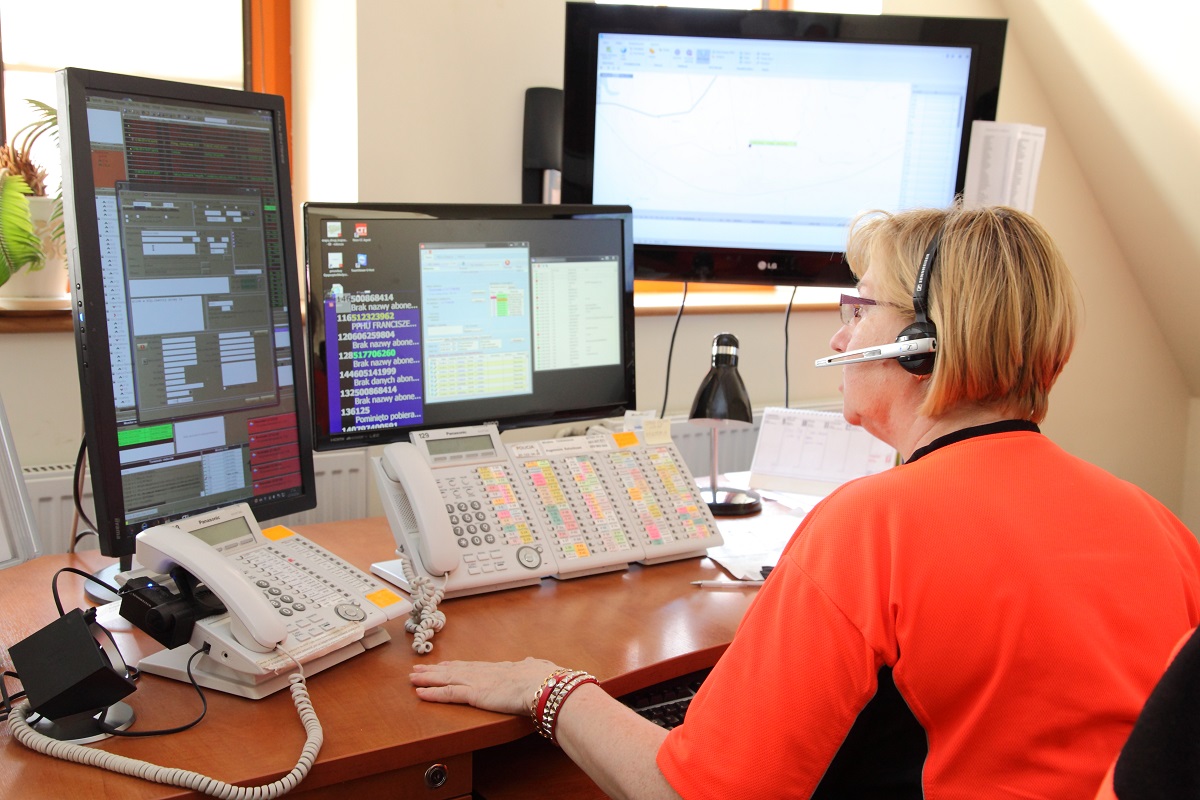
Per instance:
{"type": "Point", "coordinates": [89, 318]}
{"type": "Point", "coordinates": [586, 21]}
{"type": "Point", "coordinates": [312, 211]}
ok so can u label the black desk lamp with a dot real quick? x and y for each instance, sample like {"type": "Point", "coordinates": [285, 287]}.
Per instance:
{"type": "Point", "coordinates": [722, 402]}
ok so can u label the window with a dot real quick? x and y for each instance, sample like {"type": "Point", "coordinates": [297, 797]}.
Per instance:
{"type": "Point", "coordinates": [196, 42]}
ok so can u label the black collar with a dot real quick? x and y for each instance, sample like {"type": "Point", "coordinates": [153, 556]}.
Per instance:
{"type": "Point", "coordinates": [1005, 426]}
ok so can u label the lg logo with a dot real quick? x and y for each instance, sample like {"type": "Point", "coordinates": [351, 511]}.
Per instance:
{"type": "Point", "coordinates": [763, 266]}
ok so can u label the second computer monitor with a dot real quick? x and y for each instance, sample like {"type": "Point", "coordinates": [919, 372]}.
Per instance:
{"type": "Point", "coordinates": [434, 316]}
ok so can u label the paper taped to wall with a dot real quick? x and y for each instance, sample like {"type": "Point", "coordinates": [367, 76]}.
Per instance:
{"type": "Point", "coordinates": [1003, 164]}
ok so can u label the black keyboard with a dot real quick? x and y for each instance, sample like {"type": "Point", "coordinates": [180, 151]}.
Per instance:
{"type": "Point", "coordinates": [665, 703]}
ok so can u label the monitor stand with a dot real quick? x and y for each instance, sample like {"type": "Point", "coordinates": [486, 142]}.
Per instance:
{"type": "Point", "coordinates": [97, 593]}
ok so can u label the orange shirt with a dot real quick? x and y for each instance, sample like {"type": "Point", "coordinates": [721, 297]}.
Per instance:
{"type": "Point", "coordinates": [1024, 599]}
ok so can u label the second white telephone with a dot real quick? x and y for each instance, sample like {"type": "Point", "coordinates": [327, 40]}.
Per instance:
{"type": "Point", "coordinates": [279, 590]}
{"type": "Point", "coordinates": [481, 516]}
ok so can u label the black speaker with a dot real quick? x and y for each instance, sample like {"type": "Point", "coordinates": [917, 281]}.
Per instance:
{"type": "Point", "coordinates": [64, 671]}
{"type": "Point", "coordinates": [542, 142]}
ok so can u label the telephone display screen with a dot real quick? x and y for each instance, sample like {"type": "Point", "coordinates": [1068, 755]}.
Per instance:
{"type": "Point", "coordinates": [460, 444]}
{"type": "Point", "coordinates": [223, 532]}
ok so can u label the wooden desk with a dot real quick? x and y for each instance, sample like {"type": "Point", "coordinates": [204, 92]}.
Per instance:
{"type": "Point", "coordinates": [631, 629]}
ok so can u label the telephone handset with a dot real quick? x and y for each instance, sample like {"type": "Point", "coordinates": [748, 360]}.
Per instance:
{"type": "Point", "coordinates": [287, 599]}
{"type": "Point", "coordinates": [253, 621]}
{"type": "Point", "coordinates": [403, 464]}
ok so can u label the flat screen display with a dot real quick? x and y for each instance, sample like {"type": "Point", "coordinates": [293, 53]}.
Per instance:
{"type": "Point", "coordinates": [177, 209]}
{"type": "Point", "coordinates": [746, 142]}
{"type": "Point", "coordinates": [433, 316]}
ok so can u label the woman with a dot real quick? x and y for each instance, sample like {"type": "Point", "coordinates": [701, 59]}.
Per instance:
{"type": "Point", "coordinates": [985, 619]}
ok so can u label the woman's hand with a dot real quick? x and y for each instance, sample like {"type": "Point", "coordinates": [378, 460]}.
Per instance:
{"type": "Point", "coordinates": [503, 686]}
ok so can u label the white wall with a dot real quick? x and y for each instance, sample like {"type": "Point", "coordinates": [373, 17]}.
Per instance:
{"type": "Point", "coordinates": [441, 88]}
{"type": "Point", "coordinates": [437, 110]}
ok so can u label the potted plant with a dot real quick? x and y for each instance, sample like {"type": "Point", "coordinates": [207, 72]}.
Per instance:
{"type": "Point", "coordinates": [32, 267]}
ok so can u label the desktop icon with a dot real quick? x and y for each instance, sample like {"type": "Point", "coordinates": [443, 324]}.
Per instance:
{"type": "Point", "coordinates": [335, 261]}
{"type": "Point", "coordinates": [333, 229]}
{"type": "Point", "coordinates": [360, 230]}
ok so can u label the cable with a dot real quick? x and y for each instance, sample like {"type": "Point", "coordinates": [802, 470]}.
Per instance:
{"type": "Point", "coordinates": [7, 700]}
{"type": "Point", "coordinates": [77, 497]}
{"type": "Point", "coordinates": [424, 620]}
{"type": "Point", "coordinates": [787, 315]}
{"type": "Point", "coordinates": [109, 729]}
{"type": "Point", "coordinates": [20, 729]}
{"type": "Point", "coordinates": [89, 576]}
{"type": "Point", "coordinates": [662, 412]}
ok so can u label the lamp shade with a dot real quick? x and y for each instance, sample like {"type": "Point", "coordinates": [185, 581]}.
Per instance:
{"type": "Point", "coordinates": [722, 394]}
{"type": "Point", "coordinates": [722, 402]}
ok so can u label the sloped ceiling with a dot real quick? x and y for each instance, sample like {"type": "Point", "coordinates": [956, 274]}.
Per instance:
{"type": "Point", "coordinates": [1140, 150]}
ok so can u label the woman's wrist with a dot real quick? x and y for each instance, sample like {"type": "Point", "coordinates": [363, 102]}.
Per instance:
{"type": "Point", "coordinates": [549, 699]}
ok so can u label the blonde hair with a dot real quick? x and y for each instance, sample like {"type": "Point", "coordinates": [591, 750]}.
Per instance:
{"type": "Point", "coordinates": [1000, 295]}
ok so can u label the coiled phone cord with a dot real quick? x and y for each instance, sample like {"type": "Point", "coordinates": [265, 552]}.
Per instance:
{"type": "Point", "coordinates": [425, 620]}
{"type": "Point", "coordinates": [20, 729]}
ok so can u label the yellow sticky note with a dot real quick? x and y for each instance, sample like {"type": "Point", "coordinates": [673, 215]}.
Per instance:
{"type": "Point", "coordinates": [656, 431]}
{"type": "Point", "coordinates": [277, 532]}
{"type": "Point", "coordinates": [384, 598]}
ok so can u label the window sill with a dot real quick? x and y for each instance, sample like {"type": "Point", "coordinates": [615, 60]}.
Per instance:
{"type": "Point", "coordinates": [58, 321]}
{"type": "Point", "coordinates": [660, 299]}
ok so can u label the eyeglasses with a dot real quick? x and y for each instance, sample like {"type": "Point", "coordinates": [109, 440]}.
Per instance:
{"type": "Point", "coordinates": [852, 308]}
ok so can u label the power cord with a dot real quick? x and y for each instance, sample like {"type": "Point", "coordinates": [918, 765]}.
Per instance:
{"type": "Point", "coordinates": [77, 497]}
{"type": "Point", "coordinates": [424, 620]}
{"type": "Point", "coordinates": [73, 571]}
{"type": "Point", "coordinates": [787, 316]}
{"type": "Point", "coordinates": [662, 411]}
{"type": "Point", "coordinates": [20, 730]}
{"type": "Point", "coordinates": [109, 729]}
{"type": "Point", "coordinates": [7, 700]}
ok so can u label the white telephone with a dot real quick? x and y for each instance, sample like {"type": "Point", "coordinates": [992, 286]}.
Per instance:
{"type": "Point", "coordinates": [454, 502]}
{"type": "Point", "coordinates": [281, 592]}
{"type": "Point", "coordinates": [488, 517]}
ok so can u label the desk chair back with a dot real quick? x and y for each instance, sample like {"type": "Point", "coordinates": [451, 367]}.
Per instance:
{"type": "Point", "coordinates": [1161, 757]}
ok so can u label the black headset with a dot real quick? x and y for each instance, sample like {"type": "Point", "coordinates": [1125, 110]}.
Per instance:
{"type": "Point", "coordinates": [922, 328]}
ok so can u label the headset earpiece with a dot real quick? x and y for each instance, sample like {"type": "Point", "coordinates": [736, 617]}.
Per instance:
{"type": "Point", "coordinates": [921, 364]}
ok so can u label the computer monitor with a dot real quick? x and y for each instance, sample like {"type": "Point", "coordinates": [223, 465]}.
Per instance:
{"type": "Point", "coordinates": [186, 301]}
{"type": "Point", "coordinates": [435, 316]}
{"type": "Point", "coordinates": [746, 141]}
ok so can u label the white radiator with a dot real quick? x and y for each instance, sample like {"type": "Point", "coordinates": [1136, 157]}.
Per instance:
{"type": "Point", "coordinates": [342, 487]}
{"type": "Point", "coordinates": [735, 446]}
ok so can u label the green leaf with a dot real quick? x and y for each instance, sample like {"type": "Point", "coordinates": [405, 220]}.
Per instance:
{"type": "Point", "coordinates": [19, 245]}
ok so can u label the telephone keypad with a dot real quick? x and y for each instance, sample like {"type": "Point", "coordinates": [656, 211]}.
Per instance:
{"type": "Point", "coordinates": [299, 577]}
{"type": "Point", "coordinates": [484, 511]}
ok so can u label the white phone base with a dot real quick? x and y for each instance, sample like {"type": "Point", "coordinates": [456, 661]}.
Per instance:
{"type": "Point", "coordinates": [393, 572]}
{"type": "Point", "coordinates": [212, 675]}
{"type": "Point", "coordinates": [590, 570]}
{"type": "Point", "coordinates": [665, 559]}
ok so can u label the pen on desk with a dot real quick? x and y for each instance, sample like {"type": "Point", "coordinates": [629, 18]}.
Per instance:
{"type": "Point", "coordinates": [726, 584]}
